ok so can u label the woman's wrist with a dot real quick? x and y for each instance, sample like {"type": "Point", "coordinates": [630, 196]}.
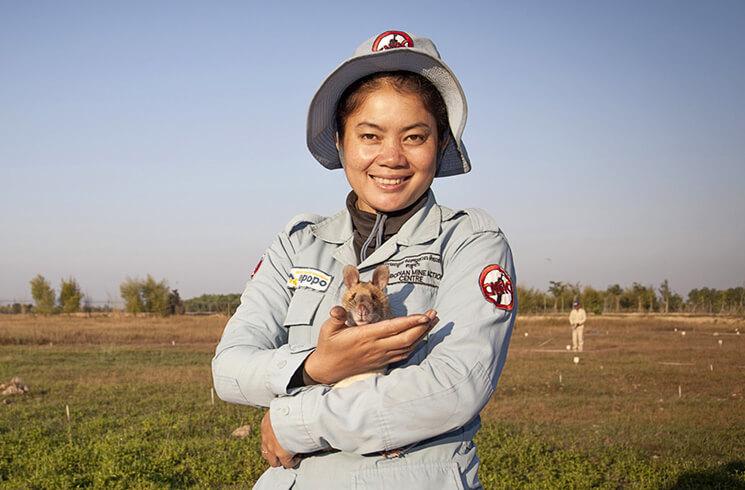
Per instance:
{"type": "Point", "coordinates": [310, 374]}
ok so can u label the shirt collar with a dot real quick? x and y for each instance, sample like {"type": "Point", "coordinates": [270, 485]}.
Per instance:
{"type": "Point", "coordinates": [422, 227]}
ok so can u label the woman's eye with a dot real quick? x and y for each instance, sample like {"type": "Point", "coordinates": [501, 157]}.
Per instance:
{"type": "Point", "coordinates": [416, 138]}
{"type": "Point", "coordinates": [368, 137]}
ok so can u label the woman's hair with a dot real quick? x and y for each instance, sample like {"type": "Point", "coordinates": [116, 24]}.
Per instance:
{"type": "Point", "coordinates": [402, 81]}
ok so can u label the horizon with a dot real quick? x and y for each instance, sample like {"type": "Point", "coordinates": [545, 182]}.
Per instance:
{"type": "Point", "coordinates": [169, 139]}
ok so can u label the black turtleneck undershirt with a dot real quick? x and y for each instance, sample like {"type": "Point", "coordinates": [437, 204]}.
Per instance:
{"type": "Point", "coordinates": [381, 226]}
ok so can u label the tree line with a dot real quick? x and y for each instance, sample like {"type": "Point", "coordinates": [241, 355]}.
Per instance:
{"type": "Point", "coordinates": [156, 297]}
{"type": "Point", "coordinates": [139, 296]}
{"type": "Point", "coordinates": [636, 298]}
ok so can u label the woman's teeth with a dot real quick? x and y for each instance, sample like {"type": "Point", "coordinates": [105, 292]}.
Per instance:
{"type": "Point", "coordinates": [383, 181]}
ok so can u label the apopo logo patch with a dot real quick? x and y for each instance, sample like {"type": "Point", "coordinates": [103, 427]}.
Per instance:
{"type": "Point", "coordinates": [306, 277]}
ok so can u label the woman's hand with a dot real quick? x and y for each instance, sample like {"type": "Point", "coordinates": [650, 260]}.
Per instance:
{"type": "Point", "coordinates": [344, 351]}
{"type": "Point", "coordinates": [271, 450]}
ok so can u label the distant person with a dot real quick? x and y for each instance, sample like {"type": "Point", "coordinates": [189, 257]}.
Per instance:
{"type": "Point", "coordinates": [577, 318]}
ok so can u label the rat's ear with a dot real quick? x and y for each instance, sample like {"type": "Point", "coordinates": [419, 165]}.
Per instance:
{"type": "Point", "coordinates": [351, 276]}
{"type": "Point", "coordinates": [380, 276]}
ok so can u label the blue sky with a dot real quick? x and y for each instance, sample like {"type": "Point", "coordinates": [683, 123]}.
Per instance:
{"type": "Point", "coordinates": [169, 137]}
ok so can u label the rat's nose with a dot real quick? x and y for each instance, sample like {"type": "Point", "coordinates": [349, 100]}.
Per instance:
{"type": "Point", "coordinates": [363, 311]}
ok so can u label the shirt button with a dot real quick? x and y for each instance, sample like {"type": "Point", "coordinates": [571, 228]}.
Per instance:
{"type": "Point", "coordinates": [281, 364]}
{"type": "Point", "coordinates": [284, 410]}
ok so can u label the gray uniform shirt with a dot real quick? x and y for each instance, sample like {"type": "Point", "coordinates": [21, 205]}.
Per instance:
{"type": "Point", "coordinates": [457, 262]}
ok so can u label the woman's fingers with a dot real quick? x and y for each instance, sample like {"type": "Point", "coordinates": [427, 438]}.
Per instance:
{"type": "Point", "coordinates": [395, 326]}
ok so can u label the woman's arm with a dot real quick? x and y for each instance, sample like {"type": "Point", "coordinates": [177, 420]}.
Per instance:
{"type": "Point", "coordinates": [445, 391]}
{"type": "Point", "coordinates": [253, 363]}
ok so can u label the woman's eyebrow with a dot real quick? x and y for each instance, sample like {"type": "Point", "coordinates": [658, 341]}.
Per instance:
{"type": "Point", "coordinates": [417, 125]}
{"type": "Point", "coordinates": [407, 128]}
{"type": "Point", "coordinates": [375, 126]}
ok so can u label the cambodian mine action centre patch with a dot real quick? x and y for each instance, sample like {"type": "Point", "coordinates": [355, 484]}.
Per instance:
{"type": "Point", "coordinates": [425, 269]}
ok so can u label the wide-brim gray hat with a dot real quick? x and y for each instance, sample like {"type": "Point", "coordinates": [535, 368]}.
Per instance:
{"type": "Point", "coordinates": [389, 51]}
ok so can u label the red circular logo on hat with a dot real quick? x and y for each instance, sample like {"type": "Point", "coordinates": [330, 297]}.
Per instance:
{"type": "Point", "coordinates": [391, 40]}
{"type": "Point", "coordinates": [496, 286]}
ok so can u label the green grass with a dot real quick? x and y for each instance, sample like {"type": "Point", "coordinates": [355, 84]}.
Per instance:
{"type": "Point", "coordinates": [142, 417]}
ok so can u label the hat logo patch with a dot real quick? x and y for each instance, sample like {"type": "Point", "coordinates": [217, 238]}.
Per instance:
{"type": "Point", "coordinates": [391, 40]}
{"type": "Point", "coordinates": [496, 286]}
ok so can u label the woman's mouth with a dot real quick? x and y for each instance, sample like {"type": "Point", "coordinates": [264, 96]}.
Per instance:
{"type": "Point", "coordinates": [389, 183]}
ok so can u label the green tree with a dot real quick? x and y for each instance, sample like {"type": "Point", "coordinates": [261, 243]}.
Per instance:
{"type": "Point", "coordinates": [43, 295]}
{"type": "Point", "coordinates": [69, 296]}
{"type": "Point", "coordinates": [615, 292]}
{"type": "Point", "coordinates": [155, 295]}
{"type": "Point", "coordinates": [131, 291]}
{"type": "Point", "coordinates": [558, 291]}
{"type": "Point", "coordinates": [593, 300]}
{"type": "Point", "coordinates": [665, 294]}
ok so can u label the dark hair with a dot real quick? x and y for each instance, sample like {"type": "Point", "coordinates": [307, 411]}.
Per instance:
{"type": "Point", "coordinates": [403, 81]}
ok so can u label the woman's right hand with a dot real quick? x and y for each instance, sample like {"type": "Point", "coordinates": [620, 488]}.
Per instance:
{"type": "Point", "coordinates": [344, 351]}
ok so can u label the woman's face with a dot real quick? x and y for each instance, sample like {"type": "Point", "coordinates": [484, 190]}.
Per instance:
{"type": "Point", "coordinates": [390, 150]}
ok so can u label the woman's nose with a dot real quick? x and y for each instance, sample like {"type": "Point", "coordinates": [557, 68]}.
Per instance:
{"type": "Point", "coordinates": [392, 155]}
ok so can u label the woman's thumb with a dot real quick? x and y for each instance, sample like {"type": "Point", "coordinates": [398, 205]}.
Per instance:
{"type": "Point", "coordinates": [337, 317]}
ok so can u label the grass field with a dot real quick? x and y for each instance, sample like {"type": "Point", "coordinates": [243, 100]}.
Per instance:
{"type": "Point", "coordinates": [645, 407]}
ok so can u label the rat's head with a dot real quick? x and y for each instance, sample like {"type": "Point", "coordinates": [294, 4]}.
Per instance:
{"type": "Point", "coordinates": [366, 302]}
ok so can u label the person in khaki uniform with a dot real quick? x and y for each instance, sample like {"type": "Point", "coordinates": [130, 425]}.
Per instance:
{"type": "Point", "coordinates": [577, 319]}
{"type": "Point", "coordinates": [392, 117]}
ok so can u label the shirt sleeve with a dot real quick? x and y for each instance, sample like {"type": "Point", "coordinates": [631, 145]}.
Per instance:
{"type": "Point", "coordinates": [253, 362]}
{"type": "Point", "coordinates": [447, 389]}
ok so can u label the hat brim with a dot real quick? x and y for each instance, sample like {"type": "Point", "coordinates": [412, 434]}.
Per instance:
{"type": "Point", "coordinates": [321, 129]}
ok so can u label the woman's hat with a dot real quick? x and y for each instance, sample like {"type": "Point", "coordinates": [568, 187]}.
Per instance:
{"type": "Point", "coordinates": [389, 51]}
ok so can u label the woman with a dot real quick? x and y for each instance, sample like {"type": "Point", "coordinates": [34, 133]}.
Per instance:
{"type": "Point", "coordinates": [392, 117]}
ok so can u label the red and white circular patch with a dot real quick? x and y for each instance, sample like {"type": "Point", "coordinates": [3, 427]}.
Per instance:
{"type": "Point", "coordinates": [392, 39]}
{"type": "Point", "coordinates": [496, 286]}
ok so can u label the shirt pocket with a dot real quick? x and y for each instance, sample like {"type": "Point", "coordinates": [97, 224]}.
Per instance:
{"type": "Point", "coordinates": [399, 474]}
{"type": "Point", "coordinates": [300, 314]}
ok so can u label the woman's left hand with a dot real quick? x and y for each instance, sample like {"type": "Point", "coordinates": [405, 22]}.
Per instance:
{"type": "Point", "coordinates": [271, 450]}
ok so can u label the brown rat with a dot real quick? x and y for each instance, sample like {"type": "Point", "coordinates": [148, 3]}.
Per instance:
{"type": "Point", "coordinates": [365, 302]}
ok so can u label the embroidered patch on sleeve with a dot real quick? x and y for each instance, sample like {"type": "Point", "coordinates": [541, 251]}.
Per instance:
{"type": "Point", "coordinates": [306, 277]}
{"type": "Point", "coordinates": [496, 286]}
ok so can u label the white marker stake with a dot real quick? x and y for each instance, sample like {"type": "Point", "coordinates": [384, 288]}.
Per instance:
{"type": "Point", "coordinates": [559, 378]}
{"type": "Point", "coordinates": [680, 391]}
{"type": "Point", "coordinates": [676, 329]}
{"type": "Point", "coordinates": [720, 342]}
{"type": "Point", "coordinates": [526, 334]}
{"type": "Point", "coordinates": [711, 367]}
{"type": "Point", "coordinates": [67, 412]}
{"type": "Point", "coordinates": [683, 333]}
{"type": "Point", "coordinates": [212, 395]}
{"type": "Point", "coordinates": [569, 347]}
{"type": "Point", "coordinates": [576, 360]}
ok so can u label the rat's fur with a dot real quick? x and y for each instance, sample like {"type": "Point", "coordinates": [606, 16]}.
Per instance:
{"type": "Point", "coordinates": [365, 302]}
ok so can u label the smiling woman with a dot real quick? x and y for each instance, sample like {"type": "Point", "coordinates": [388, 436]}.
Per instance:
{"type": "Point", "coordinates": [389, 141]}
{"type": "Point", "coordinates": [392, 117]}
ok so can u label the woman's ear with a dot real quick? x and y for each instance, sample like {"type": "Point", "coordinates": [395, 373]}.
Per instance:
{"type": "Point", "coordinates": [339, 149]}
